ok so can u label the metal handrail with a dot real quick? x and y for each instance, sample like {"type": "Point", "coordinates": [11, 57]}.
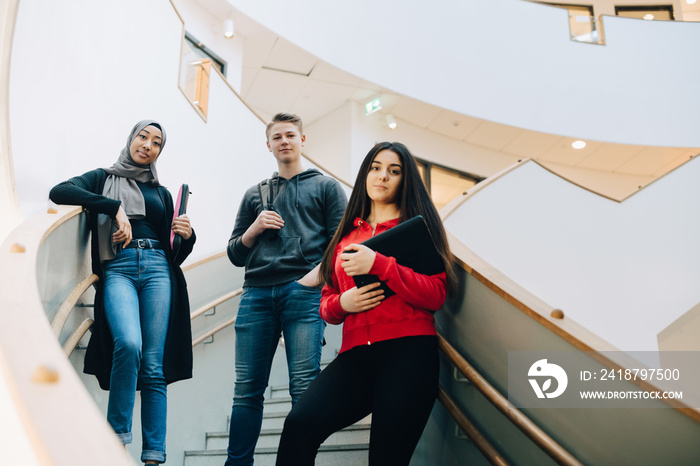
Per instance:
{"type": "Point", "coordinates": [214, 330]}
{"type": "Point", "coordinates": [522, 422]}
{"type": "Point", "coordinates": [72, 342]}
{"type": "Point", "coordinates": [75, 337]}
{"type": "Point", "coordinates": [64, 311]}
{"type": "Point", "coordinates": [470, 429]}
{"type": "Point", "coordinates": [216, 302]}
{"type": "Point", "coordinates": [212, 305]}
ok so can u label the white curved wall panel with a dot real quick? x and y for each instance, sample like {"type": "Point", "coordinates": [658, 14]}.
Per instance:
{"type": "Point", "coordinates": [84, 72]}
{"type": "Point", "coordinates": [15, 445]}
{"type": "Point", "coordinates": [9, 207]}
{"type": "Point", "coordinates": [510, 61]}
{"type": "Point", "coordinates": [625, 270]}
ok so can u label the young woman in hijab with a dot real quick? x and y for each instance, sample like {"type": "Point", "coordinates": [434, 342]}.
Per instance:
{"type": "Point", "coordinates": [141, 336]}
{"type": "Point", "coordinates": [388, 361]}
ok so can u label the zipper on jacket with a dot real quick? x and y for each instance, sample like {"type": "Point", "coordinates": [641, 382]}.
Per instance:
{"type": "Point", "coordinates": [369, 329]}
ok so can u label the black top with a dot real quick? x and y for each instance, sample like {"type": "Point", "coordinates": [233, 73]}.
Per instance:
{"type": "Point", "coordinates": [147, 228]}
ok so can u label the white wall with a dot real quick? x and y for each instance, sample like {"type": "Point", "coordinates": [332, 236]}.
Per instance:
{"type": "Point", "coordinates": [328, 141]}
{"type": "Point", "coordinates": [511, 62]}
{"type": "Point", "coordinates": [9, 207]}
{"type": "Point", "coordinates": [15, 447]}
{"type": "Point", "coordinates": [78, 83]}
{"type": "Point", "coordinates": [625, 270]}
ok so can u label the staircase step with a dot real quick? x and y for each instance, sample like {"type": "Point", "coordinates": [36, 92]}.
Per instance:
{"type": "Point", "coordinates": [273, 420]}
{"type": "Point", "coordinates": [328, 455]}
{"type": "Point", "coordinates": [282, 404]}
{"type": "Point", "coordinates": [279, 391]}
{"type": "Point", "coordinates": [270, 438]}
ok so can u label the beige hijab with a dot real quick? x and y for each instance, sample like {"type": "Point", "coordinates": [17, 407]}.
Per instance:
{"type": "Point", "coordinates": [121, 185]}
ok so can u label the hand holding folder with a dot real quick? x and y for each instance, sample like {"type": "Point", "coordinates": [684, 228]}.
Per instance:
{"type": "Point", "coordinates": [411, 245]}
{"type": "Point", "coordinates": [180, 209]}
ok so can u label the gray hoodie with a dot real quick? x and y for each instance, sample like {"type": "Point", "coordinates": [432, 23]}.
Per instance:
{"type": "Point", "coordinates": [311, 206]}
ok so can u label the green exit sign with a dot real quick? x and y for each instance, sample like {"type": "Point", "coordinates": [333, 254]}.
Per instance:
{"type": "Point", "coordinates": [373, 105]}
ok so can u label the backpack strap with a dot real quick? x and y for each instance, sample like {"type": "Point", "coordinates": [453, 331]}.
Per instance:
{"type": "Point", "coordinates": [266, 189]}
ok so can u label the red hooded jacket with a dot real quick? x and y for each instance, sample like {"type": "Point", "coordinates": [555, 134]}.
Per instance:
{"type": "Point", "coordinates": [407, 313]}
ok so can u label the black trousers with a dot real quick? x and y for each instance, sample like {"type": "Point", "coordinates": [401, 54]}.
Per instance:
{"type": "Point", "coordinates": [395, 380]}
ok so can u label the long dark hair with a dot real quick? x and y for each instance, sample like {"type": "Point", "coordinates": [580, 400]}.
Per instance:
{"type": "Point", "coordinates": [413, 199]}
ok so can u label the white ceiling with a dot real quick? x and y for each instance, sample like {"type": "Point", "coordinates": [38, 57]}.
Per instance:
{"type": "Point", "coordinates": [278, 74]}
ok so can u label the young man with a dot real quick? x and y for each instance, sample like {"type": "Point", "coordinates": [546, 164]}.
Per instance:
{"type": "Point", "coordinates": [282, 229]}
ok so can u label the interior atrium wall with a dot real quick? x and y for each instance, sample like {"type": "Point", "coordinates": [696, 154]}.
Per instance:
{"type": "Point", "coordinates": [83, 73]}
{"type": "Point", "coordinates": [510, 61]}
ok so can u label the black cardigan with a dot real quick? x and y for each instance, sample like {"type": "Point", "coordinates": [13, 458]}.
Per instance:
{"type": "Point", "coordinates": [86, 191]}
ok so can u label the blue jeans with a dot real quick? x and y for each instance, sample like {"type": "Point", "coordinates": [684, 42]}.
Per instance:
{"type": "Point", "coordinates": [137, 308]}
{"type": "Point", "coordinates": [264, 313]}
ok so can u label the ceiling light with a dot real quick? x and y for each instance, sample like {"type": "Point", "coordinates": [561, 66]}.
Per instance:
{"type": "Point", "coordinates": [648, 16]}
{"type": "Point", "coordinates": [228, 28]}
{"type": "Point", "coordinates": [578, 144]}
{"type": "Point", "coordinates": [690, 2]}
{"type": "Point", "coordinates": [373, 105]}
{"type": "Point", "coordinates": [391, 121]}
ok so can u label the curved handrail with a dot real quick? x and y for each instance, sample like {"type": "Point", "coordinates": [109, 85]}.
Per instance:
{"type": "Point", "coordinates": [216, 302]}
{"type": "Point", "coordinates": [522, 422]}
{"type": "Point", "coordinates": [66, 308]}
{"type": "Point", "coordinates": [213, 331]}
{"type": "Point", "coordinates": [212, 305]}
{"type": "Point", "coordinates": [490, 453]}
{"type": "Point", "coordinates": [572, 332]}
{"type": "Point", "coordinates": [44, 386]}
{"type": "Point", "coordinates": [550, 318]}
{"type": "Point", "coordinates": [203, 261]}
{"type": "Point", "coordinates": [76, 336]}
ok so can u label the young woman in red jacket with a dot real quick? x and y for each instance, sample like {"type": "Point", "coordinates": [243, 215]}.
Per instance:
{"type": "Point", "coordinates": [388, 361]}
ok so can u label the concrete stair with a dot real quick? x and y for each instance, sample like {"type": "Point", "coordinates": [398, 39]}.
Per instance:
{"type": "Point", "coordinates": [347, 447]}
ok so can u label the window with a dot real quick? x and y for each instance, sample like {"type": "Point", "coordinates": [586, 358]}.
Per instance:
{"type": "Point", "coordinates": [649, 12]}
{"type": "Point", "coordinates": [583, 25]}
{"type": "Point", "coordinates": [196, 62]}
{"type": "Point", "coordinates": [204, 52]}
{"type": "Point", "coordinates": [444, 184]}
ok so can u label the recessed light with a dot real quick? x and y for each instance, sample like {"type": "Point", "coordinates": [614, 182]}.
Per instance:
{"type": "Point", "coordinates": [578, 144]}
{"type": "Point", "coordinates": [648, 16]}
{"type": "Point", "coordinates": [690, 2]}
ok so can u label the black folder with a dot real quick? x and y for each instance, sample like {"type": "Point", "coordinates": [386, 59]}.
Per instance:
{"type": "Point", "coordinates": [411, 244]}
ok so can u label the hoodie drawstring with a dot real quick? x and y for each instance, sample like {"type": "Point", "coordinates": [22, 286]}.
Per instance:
{"type": "Point", "coordinates": [296, 195]}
